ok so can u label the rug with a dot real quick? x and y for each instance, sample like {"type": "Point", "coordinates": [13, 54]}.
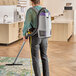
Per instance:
{"type": "Point", "coordinates": [23, 70]}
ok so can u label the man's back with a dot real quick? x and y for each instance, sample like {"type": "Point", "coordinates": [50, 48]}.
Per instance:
{"type": "Point", "coordinates": [34, 16]}
{"type": "Point", "coordinates": [30, 20]}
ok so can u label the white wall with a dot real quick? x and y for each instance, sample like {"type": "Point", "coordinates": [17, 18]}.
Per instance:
{"type": "Point", "coordinates": [56, 7]}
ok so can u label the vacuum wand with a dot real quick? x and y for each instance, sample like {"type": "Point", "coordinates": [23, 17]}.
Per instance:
{"type": "Point", "coordinates": [14, 63]}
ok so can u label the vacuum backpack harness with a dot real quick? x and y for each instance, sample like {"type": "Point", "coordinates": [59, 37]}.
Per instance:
{"type": "Point", "coordinates": [43, 23]}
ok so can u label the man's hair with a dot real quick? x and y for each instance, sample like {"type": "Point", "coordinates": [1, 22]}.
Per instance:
{"type": "Point", "coordinates": [36, 1]}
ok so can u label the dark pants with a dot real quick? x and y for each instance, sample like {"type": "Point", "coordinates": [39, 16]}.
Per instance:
{"type": "Point", "coordinates": [39, 44]}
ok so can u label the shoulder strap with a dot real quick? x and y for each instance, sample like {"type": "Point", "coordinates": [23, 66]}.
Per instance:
{"type": "Point", "coordinates": [41, 10]}
{"type": "Point", "coordinates": [34, 9]}
{"type": "Point", "coordinates": [37, 11]}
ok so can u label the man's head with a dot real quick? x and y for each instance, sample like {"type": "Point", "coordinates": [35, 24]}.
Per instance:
{"type": "Point", "coordinates": [35, 2]}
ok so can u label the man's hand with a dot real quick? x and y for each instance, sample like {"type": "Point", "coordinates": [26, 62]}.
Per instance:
{"type": "Point", "coordinates": [24, 39]}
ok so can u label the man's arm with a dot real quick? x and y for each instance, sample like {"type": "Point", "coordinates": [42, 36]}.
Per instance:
{"type": "Point", "coordinates": [27, 22]}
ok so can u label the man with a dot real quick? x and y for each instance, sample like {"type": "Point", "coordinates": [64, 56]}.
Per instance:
{"type": "Point", "coordinates": [37, 43]}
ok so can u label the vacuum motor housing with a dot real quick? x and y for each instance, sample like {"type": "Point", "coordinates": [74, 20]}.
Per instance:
{"type": "Point", "coordinates": [44, 24]}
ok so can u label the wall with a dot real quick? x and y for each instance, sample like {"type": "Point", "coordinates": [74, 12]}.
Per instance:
{"type": "Point", "coordinates": [56, 7]}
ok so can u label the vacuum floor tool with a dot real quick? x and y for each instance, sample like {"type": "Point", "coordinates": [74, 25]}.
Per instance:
{"type": "Point", "coordinates": [14, 63]}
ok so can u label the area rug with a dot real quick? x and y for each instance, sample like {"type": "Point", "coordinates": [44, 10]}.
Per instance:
{"type": "Point", "coordinates": [22, 70]}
